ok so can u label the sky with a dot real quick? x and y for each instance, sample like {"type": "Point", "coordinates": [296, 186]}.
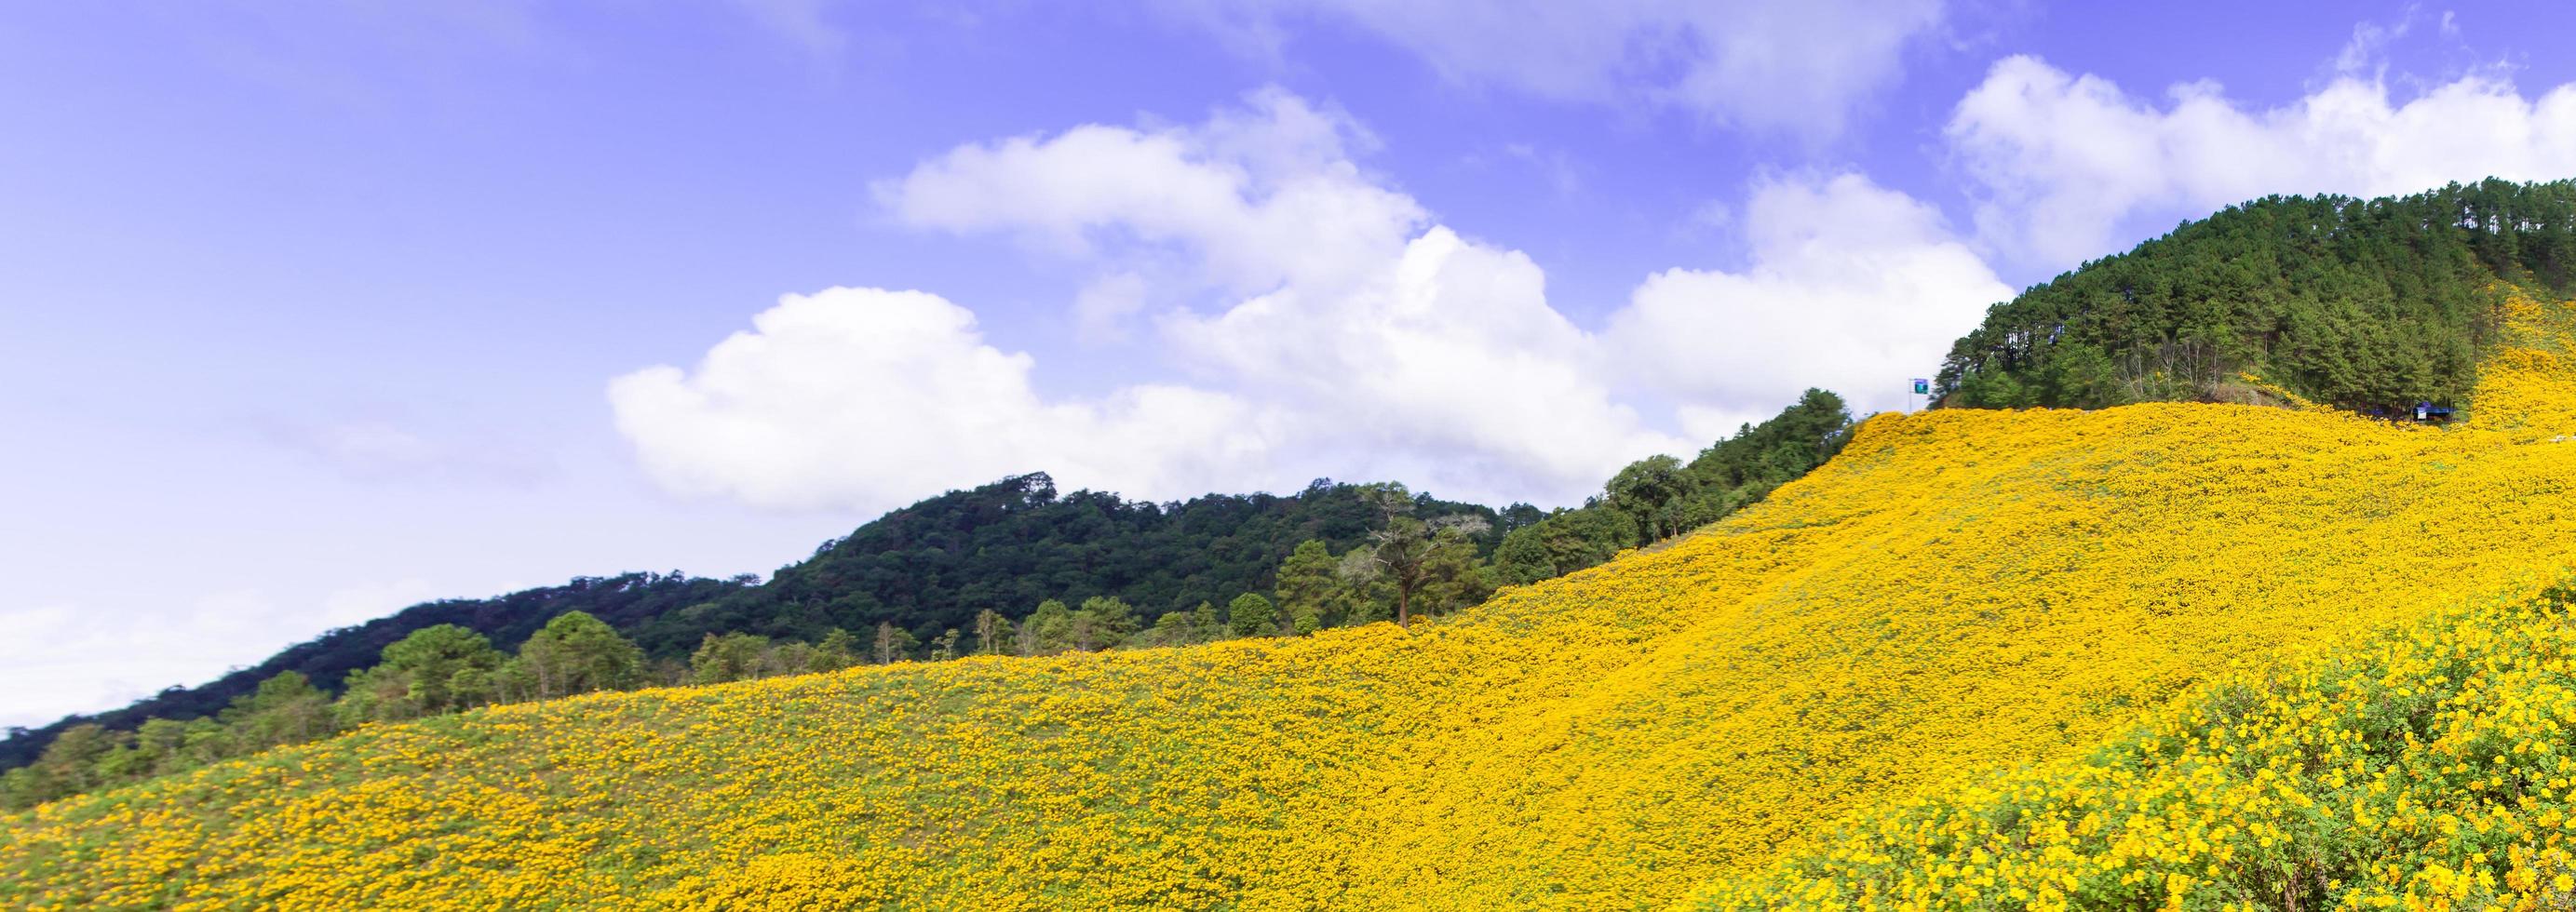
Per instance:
{"type": "Point", "coordinates": [312, 310]}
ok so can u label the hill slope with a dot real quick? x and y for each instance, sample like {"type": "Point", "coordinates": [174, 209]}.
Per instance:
{"type": "Point", "coordinates": [1006, 546]}
{"type": "Point", "coordinates": [1959, 592]}
{"type": "Point", "coordinates": [1011, 545]}
{"type": "Point", "coordinates": [2426, 768]}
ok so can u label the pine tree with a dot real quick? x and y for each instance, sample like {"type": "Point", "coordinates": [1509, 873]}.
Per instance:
{"type": "Point", "coordinates": [1308, 581]}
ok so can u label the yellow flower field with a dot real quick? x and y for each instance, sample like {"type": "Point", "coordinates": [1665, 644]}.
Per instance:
{"type": "Point", "coordinates": [1961, 596]}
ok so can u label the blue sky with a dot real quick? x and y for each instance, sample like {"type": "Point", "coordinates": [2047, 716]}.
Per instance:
{"type": "Point", "coordinates": [312, 310]}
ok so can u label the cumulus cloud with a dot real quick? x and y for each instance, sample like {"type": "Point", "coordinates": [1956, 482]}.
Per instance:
{"type": "Point", "coordinates": [1850, 286]}
{"type": "Point", "coordinates": [1449, 366]}
{"type": "Point", "coordinates": [1797, 67]}
{"type": "Point", "coordinates": [2064, 165]}
{"type": "Point", "coordinates": [1324, 324]}
{"type": "Point", "coordinates": [1260, 196]}
{"type": "Point", "coordinates": [867, 397]}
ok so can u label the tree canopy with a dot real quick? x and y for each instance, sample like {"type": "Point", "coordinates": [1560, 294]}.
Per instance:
{"type": "Point", "coordinates": [2363, 304]}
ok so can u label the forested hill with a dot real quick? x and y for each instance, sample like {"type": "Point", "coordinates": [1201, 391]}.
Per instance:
{"type": "Point", "coordinates": [2363, 304]}
{"type": "Point", "coordinates": [1012, 544]}
{"type": "Point", "coordinates": [1005, 546]}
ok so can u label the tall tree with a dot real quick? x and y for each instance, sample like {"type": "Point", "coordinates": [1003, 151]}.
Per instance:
{"type": "Point", "coordinates": [1251, 615]}
{"type": "Point", "coordinates": [1103, 621]}
{"type": "Point", "coordinates": [1047, 630]}
{"type": "Point", "coordinates": [838, 650]}
{"type": "Point", "coordinates": [731, 657]}
{"type": "Point", "coordinates": [433, 670]}
{"type": "Point", "coordinates": [577, 653]}
{"type": "Point", "coordinates": [992, 633]}
{"type": "Point", "coordinates": [1647, 489]}
{"type": "Point", "coordinates": [1414, 556]}
{"type": "Point", "coordinates": [893, 643]}
{"type": "Point", "coordinates": [286, 709]}
{"type": "Point", "coordinates": [1308, 582]}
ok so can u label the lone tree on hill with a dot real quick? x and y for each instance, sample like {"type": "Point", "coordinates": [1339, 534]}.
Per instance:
{"type": "Point", "coordinates": [1418, 558]}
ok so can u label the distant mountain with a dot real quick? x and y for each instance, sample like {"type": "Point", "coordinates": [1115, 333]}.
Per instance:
{"type": "Point", "coordinates": [2369, 305]}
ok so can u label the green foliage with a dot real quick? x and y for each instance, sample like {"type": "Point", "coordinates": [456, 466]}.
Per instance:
{"type": "Point", "coordinates": [1649, 491]}
{"type": "Point", "coordinates": [575, 653]}
{"type": "Point", "coordinates": [1008, 546]}
{"type": "Point", "coordinates": [731, 657]}
{"type": "Point", "coordinates": [1251, 615]}
{"type": "Point", "coordinates": [1172, 629]}
{"type": "Point", "coordinates": [286, 709]}
{"type": "Point", "coordinates": [1429, 565]}
{"type": "Point", "coordinates": [1102, 622]}
{"type": "Point", "coordinates": [992, 633]}
{"type": "Point", "coordinates": [895, 644]}
{"type": "Point", "coordinates": [2364, 304]}
{"type": "Point", "coordinates": [1047, 630]}
{"type": "Point", "coordinates": [1659, 497]}
{"type": "Point", "coordinates": [1309, 583]}
{"type": "Point", "coordinates": [838, 650]}
{"type": "Point", "coordinates": [437, 669]}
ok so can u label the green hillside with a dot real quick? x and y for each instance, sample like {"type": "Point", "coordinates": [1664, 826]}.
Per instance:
{"type": "Point", "coordinates": [2367, 305]}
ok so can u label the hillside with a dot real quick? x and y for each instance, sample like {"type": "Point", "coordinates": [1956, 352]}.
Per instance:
{"type": "Point", "coordinates": [2362, 304]}
{"type": "Point", "coordinates": [2426, 768]}
{"type": "Point", "coordinates": [1959, 593]}
{"type": "Point", "coordinates": [1005, 546]}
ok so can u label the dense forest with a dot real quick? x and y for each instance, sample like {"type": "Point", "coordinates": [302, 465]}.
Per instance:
{"type": "Point", "coordinates": [2370, 305]}
{"type": "Point", "coordinates": [1009, 545]}
{"type": "Point", "coordinates": [1010, 568]}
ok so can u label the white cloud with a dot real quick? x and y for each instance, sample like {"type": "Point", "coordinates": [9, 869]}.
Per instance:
{"type": "Point", "coordinates": [1259, 197]}
{"type": "Point", "coordinates": [1851, 287]}
{"type": "Point", "coordinates": [2065, 166]}
{"type": "Point", "coordinates": [1797, 67]}
{"type": "Point", "coordinates": [873, 398]}
{"type": "Point", "coordinates": [1339, 331]}
{"type": "Point", "coordinates": [1449, 369]}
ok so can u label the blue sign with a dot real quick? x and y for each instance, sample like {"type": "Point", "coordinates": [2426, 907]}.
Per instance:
{"type": "Point", "coordinates": [1922, 387]}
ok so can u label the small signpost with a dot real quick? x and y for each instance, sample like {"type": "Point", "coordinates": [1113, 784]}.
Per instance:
{"type": "Point", "coordinates": [1922, 387]}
